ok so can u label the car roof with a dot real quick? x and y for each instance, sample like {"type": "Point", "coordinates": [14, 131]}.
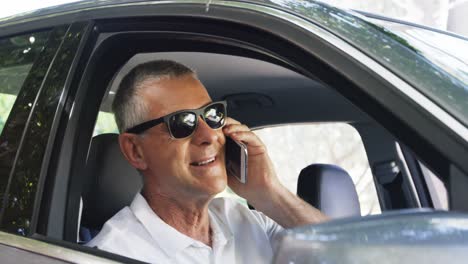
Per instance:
{"type": "Point", "coordinates": [87, 5]}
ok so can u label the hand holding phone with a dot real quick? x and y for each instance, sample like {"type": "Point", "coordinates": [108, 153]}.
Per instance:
{"type": "Point", "coordinates": [236, 159]}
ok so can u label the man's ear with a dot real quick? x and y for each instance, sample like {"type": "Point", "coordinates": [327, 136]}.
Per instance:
{"type": "Point", "coordinates": [130, 145]}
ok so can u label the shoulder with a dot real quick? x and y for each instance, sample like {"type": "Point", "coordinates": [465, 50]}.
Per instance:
{"type": "Point", "coordinates": [119, 228]}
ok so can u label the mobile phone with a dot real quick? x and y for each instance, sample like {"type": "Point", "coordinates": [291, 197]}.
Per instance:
{"type": "Point", "coordinates": [236, 159]}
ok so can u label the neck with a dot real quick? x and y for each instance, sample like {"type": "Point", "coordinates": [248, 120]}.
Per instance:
{"type": "Point", "coordinates": [190, 217]}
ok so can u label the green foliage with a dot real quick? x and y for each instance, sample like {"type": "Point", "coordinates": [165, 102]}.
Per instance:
{"type": "Point", "coordinates": [105, 124]}
{"type": "Point", "coordinates": [6, 103]}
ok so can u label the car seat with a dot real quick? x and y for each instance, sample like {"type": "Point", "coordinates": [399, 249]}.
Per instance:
{"type": "Point", "coordinates": [330, 189]}
{"type": "Point", "coordinates": [111, 184]}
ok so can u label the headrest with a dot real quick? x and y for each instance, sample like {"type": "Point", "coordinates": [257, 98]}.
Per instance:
{"type": "Point", "coordinates": [112, 181]}
{"type": "Point", "coordinates": [330, 189]}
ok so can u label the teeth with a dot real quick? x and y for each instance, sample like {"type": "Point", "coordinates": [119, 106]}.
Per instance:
{"type": "Point", "coordinates": [205, 162]}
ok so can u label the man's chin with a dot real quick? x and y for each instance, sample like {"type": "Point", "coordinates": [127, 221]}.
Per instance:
{"type": "Point", "coordinates": [215, 187]}
{"type": "Point", "coordinates": [212, 179]}
{"type": "Point", "coordinates": [217, 184]}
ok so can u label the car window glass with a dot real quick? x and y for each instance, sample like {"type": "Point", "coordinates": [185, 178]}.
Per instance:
{"type": "Point", "coordinates": [294, 147]}
{"type": "Point", "coordinates": [26, 142]}
{"type": "Point", "coordinates": [394, 52]}
{"type": "Point", "coordinates": [446, 52]}
{"type": "Point", "coordinates": [17, 54]}
{"type": "Point", "coordinates": [451, 56]}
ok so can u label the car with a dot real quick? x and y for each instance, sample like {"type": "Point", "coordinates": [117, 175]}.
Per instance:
{"type": "Point", "coordinates": [403, 88]}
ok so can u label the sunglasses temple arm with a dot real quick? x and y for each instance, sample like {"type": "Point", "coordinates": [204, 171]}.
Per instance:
{"type": "Point", "coordinates": [145, 126]}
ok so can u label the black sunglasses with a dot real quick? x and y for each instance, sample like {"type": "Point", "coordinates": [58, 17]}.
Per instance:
{"type": "Point", "coordinates": [183, 123]}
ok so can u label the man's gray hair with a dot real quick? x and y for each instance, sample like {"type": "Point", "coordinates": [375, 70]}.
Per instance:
{"type": "Point", "coordinates": [128, 107]}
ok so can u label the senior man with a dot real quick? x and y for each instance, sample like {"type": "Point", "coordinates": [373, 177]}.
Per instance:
{"type": "Point", "coordinates": [174, 135]}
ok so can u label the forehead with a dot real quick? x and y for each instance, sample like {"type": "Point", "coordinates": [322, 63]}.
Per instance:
{"type": "Point", "coordinates": [168, 95]}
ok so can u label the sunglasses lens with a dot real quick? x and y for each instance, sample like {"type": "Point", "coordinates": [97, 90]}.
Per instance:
{"type": "Point", "coordinates": [182, 124]}
{"type": "Point", "coordinates": [215, 115]}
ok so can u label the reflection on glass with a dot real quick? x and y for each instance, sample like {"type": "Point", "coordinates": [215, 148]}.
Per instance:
{"type": "Point", "coordinates": [419, 65]}
{"type": "Point", "coordinates": [16, 72]}
{"type": "Point", "coordinates": [188, 119]}
{"type": "Point", "coordinates": [20, 197]}
{"type": "Point", "coordinates": [213, 115]}
{"type": "Point", "coordinates": [452, 55]}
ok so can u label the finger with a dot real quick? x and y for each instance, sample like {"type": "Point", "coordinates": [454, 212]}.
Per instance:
{"type": "Point", "coordinates": [247, 137]}
{"type": "Point", "coordinates": [254, 144]}
{"type": "Point", "coordinates": [230, 121]}
{"type": "Point", "coordinates": [235, 128]}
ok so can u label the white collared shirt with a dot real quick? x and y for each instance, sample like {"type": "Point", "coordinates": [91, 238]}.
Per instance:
{"type": "Point", "coordinates": [240, 235]}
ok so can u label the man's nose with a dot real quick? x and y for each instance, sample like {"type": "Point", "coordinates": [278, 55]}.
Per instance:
{"type": "Point", "coordinates": [204, 133]}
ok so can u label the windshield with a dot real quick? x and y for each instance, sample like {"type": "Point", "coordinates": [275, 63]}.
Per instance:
{"type": "Point", "coordinates": [416, 58]}
{"type": "Point", "coordinates": [448, 52]}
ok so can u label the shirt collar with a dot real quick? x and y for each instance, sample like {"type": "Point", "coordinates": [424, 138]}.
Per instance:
{"type": "Point", "coordinates": [221, 233]}
{"type": "Point", "coordinates": [168, 238]}
{"type": "Point", "coordinates": [160, 231]}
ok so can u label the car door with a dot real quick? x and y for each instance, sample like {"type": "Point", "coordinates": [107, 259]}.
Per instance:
{"type": "Point", "coordinates": [34, 68]}
{"type": "Point", "coordinates": [56, 133]}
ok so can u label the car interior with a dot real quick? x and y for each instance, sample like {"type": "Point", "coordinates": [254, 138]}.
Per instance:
{"type": "Point", "coordinates": [260, 94]}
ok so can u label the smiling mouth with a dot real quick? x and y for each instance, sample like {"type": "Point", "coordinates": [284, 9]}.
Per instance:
{"type": "Point", "coordinates": [204, 162]}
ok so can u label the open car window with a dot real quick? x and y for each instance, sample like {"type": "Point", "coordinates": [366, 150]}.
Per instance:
{"type": "Point", "coordinates": [294, 147]}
